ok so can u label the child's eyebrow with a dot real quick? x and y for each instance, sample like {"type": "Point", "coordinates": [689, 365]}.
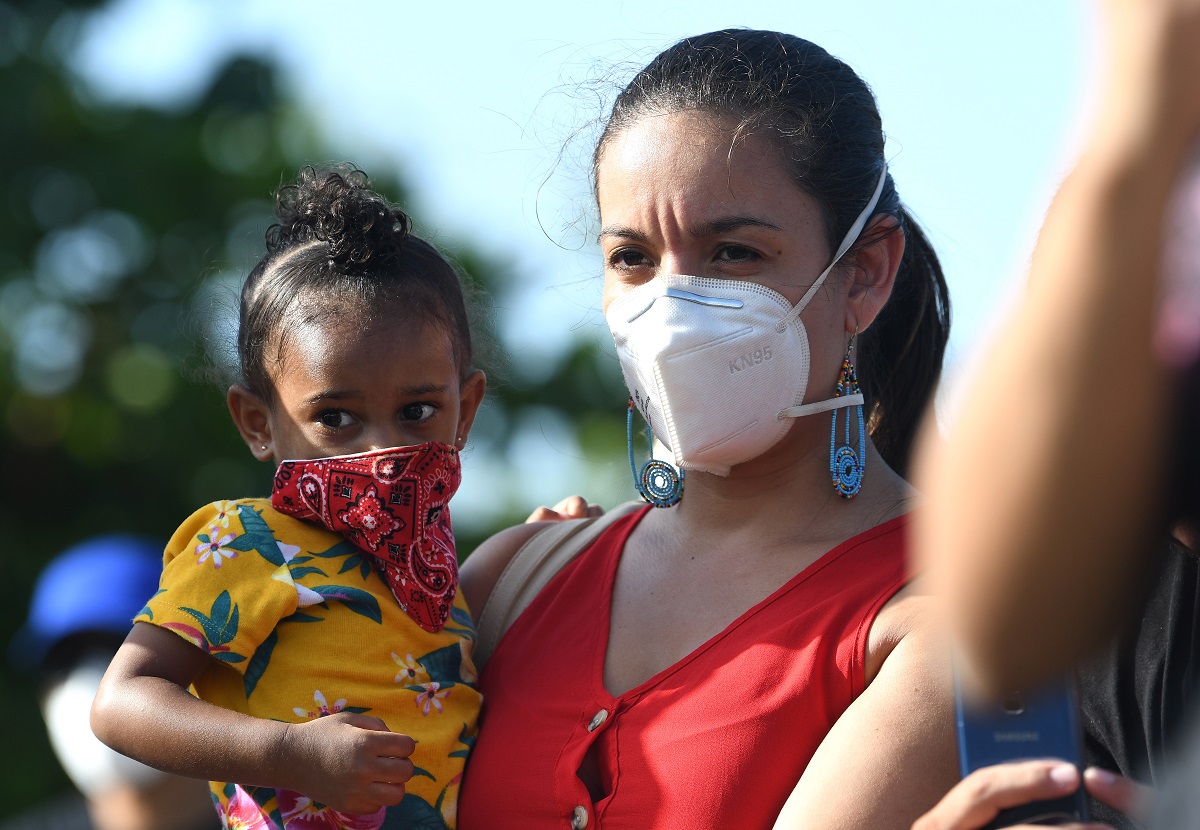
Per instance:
{"type": "Point", "coordinates": [426, 389]}
{"type": "Point", "coordinates": [332, 395]}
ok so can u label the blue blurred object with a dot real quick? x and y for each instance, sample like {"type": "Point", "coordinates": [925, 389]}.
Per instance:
{"type": "Point", "coordinates": [98, 585]}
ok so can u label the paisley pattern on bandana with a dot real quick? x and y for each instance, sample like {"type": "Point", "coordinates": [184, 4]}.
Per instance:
{"type": "Point", "coordinates": [392, 504]}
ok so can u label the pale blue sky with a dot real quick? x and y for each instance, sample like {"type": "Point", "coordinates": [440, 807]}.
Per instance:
{"type": "Point", "coordinates": [474, 103]}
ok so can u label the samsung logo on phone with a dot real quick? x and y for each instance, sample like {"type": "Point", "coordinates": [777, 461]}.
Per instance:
{"type": "Point", "coordinates": [1016, 737]}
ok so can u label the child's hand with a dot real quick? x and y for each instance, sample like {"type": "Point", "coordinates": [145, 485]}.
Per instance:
{"type": "Point", "coordinates": [572, 507]}
{"type": "Point", "coordinates": [348, 761]}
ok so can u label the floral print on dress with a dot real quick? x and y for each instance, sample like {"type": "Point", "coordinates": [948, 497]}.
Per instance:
{"type": "Point", "coordinates": [323, 707]}
{"type": "Point", "coordinates": [302, 813]}
{"type": "Point", "coordinates": [242, 813]}
{"type": "Point", "coordinates": [225, 511]}
{"type": "Point", "coordinates": [296, 613]}
{"type": "Point", "coordinates": [410, 669]}
{"type": "Point", "coordinates": [212, 545]}
{"type": "Point", "coordinates": [432, 695]}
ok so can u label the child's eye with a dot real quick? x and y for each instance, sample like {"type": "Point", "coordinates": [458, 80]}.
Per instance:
{"type": "Point", "coordinates": [418, 411]}
{"type": "Point", "coordinates": [335, 419]}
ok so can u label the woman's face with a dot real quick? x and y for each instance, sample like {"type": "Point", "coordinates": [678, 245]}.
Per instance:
{"type": "Point", "coordinates": [677, 197]}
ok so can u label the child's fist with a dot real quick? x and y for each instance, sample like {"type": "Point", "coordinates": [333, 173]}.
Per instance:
{"type": "Point", "coordinates": [349, 762]}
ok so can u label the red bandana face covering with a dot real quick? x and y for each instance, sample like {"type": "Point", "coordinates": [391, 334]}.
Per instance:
{"type": "Point", "coordinates": [392, 505]}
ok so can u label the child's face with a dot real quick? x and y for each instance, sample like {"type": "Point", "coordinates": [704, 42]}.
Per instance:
{"type": "Point", "coordinates": [342, 389]}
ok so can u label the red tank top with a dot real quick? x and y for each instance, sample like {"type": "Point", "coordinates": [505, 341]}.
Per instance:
{"type": "Point", "coordinates": [717, 740]}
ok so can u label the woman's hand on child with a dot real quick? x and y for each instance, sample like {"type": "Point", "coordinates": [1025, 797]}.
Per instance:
{"type": "Point", "coordinates": [979, 797]}
{"type": "Point", "coordinates": [347, 761]}
{"type": "Point", "coordinates": [572, 507]}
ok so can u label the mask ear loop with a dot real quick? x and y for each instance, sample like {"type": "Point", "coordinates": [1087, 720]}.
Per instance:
{"type": "Point", "coordinates": [657, 482]}
{"type": "Point", "coordinates": [846, 467]}
{"type": "Point", "coordinates": [847, 241]}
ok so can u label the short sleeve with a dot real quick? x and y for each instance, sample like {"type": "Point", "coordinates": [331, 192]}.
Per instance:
{"type": "Point", "coordinates": [225, 583]}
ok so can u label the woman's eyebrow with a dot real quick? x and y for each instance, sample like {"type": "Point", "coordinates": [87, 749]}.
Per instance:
{"type": "Point", "coordinates": [623, 232]}
{"type": "Point", "coordinates": [730, 223]}
{"type": "Point", "coordinates": [711, 228]}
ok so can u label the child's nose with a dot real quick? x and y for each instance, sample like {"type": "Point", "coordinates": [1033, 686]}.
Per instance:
{"type": "Point", "coordinates": [386, 439]}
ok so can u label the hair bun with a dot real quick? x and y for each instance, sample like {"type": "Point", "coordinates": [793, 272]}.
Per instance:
{"type": "Point", "coordinates": [335, 205]}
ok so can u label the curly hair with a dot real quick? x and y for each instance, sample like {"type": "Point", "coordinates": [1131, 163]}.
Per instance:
{"type": "Point", "coordinates": [339, 243]}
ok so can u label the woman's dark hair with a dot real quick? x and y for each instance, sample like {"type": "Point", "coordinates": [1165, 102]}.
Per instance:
{"type": "Point", "coordinates": [825, 123]}
{"type": "Point", "coordinates": [341, 248]}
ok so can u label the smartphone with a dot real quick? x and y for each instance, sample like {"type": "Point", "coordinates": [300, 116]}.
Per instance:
{"type": "Point", "coordinates": [1042, 723]}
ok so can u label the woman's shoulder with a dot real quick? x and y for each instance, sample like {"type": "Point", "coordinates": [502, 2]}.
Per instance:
{"type": "Point", "coordinates": [479, 572]}
{"type": "Point", "coordinates": [910, 615]}
{"type": "Point", "coordinates": [566, 536]}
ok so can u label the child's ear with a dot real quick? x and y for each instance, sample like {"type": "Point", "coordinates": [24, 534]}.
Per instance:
{"type": "Point", "coordinates": [252, 417]}
{"type": "Point", "coordinates": [470, 396]}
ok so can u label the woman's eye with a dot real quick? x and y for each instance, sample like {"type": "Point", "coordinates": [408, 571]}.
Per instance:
{"type": "Point", "coordinates": [736, 253]}
{"type": "Point", "coordinates": [335, 419]}
{"type": "Point", "coordinates": [627, 258]}
{"type": "Point", "coordinates": [418, 411]}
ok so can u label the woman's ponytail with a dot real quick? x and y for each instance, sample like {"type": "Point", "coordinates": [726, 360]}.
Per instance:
{"type": "Point", "coordinates": [901, 353]}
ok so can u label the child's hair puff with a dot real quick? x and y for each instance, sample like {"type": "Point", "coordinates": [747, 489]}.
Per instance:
{"type": "Point", "coordinates": [341, 249]}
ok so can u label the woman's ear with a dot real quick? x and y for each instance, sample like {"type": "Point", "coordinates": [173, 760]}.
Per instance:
{"type": "Point", "coordinates": [874, 272]}
{"type": "Point", "coordinates": [252, 417]}
{"type": "Point", "coordinates": [470, 396]}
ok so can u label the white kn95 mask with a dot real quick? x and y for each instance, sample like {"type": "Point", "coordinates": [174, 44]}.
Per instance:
{"type": "Point", "coordinates": [717, 367]}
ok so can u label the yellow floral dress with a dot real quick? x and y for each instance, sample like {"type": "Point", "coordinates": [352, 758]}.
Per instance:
{"type": "Point", "coordinates": [300, 626]}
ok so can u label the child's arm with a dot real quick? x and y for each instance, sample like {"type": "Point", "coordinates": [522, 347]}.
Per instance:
{"type": "Point", "coordinates": [347, 761]}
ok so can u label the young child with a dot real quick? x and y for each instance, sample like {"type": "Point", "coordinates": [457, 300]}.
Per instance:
{"type": "Point", "coordinates": [321, 629]}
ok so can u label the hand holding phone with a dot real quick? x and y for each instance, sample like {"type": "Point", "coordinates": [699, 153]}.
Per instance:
{"type": "Point", "coordinates": [1022, 726]}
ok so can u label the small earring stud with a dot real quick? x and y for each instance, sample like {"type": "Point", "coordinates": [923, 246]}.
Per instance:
{"type": "Point", "coordinates": [262, 447]}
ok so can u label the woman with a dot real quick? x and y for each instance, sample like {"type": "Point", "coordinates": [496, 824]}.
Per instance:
{"type": "Point", "coordinates": [695, 663]}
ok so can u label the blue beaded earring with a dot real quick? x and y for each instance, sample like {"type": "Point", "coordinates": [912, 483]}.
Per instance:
{"type": "Point", "coordinates": [845, 465]}
{"type": "Point", "coordinates": [658, 482]}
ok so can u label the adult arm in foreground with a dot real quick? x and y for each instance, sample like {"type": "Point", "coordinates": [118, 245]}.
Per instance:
{"type": "Point", "coordinates": [1048, 486]}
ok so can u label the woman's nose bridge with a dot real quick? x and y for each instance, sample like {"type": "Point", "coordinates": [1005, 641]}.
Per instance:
{"type": "Point", "coordinates": [679, 259]}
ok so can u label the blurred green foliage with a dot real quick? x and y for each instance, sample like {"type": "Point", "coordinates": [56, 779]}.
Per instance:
{"type": "Point", "coordinates": [124, 234]}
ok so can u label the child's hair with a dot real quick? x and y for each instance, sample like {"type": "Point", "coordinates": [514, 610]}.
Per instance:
{"type": "Point", "coordinates": [340, 248]}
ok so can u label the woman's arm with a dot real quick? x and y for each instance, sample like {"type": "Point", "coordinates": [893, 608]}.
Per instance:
{"type": "Point", "coordinates": [479, 572]}
{"type": "Point", "coordinates": [1047, 487]}
{"type": "Point", "coordinates": [891, 755]}
{"type": "Point", "coordinates": [143, 709]}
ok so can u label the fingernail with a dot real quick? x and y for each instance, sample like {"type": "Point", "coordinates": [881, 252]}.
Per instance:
{"type": "Point", "coordinates": [1064, 775]}
{"type": "Point", "coordinates": [1102, 776]}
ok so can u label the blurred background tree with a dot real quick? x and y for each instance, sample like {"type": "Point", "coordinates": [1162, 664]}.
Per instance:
{"type": "Point", "coordinates": [126, 231]}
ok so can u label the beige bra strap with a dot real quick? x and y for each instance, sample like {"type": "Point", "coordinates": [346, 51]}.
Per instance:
{"type": "Point", "coordinates": [533, 566]}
